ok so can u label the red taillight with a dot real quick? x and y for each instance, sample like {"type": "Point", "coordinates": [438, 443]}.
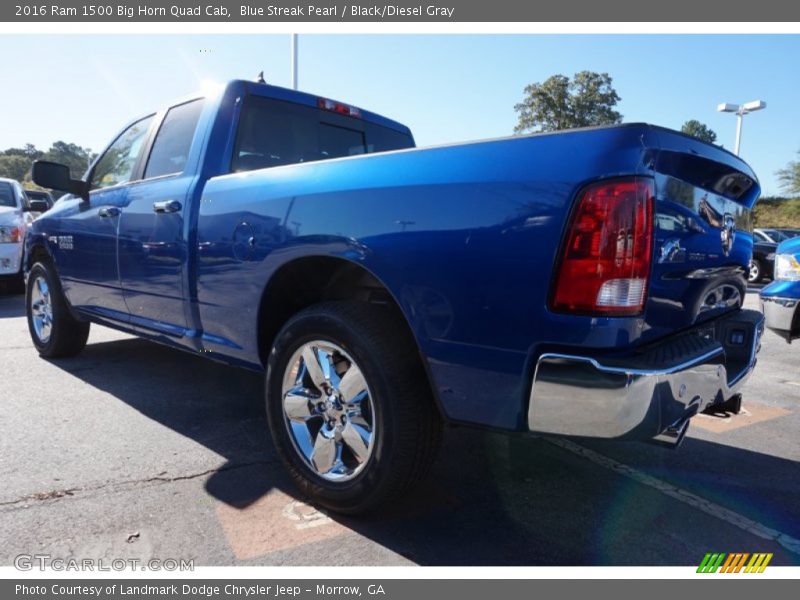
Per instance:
{"type": "Point", "coordinates": [338, 107]}
{"type": "Point", "coordinates": [605, 264]}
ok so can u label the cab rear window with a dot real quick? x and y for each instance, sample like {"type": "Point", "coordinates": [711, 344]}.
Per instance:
{"type": "Point", "coordinates": [272, 133]}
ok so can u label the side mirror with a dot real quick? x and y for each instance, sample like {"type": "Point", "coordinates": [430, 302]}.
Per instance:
{"type": "Point", "coordinates": [39, 206]}
{"type": "Point", "coordinates": [56, 176]}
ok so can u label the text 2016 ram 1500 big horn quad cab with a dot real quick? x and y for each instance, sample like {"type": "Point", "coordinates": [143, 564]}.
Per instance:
{"type": "Point", "coordinates": [585, 283]}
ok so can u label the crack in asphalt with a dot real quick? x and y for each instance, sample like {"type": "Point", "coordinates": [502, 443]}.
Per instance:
{"type": "Point", "coordinates": [58, 494]}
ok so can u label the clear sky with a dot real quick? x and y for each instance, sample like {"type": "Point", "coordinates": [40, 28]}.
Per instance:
{"type": "Point", "coordinates": [83, 88]}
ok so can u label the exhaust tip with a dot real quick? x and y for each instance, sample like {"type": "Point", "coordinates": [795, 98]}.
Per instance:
{"type": "Point", "coordinates": [672, 436]}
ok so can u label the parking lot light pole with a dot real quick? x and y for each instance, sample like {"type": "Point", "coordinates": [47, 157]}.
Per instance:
{"type": "Point", "coordinates": [741, 110]}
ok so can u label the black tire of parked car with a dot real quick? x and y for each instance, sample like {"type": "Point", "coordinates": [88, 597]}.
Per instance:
{"type": "Point", "coordinates": [17, 284]}
{"type": "Point", "coordinates": [12, 285]}
{"type": "Point", "coordinates": [756, 272]}
{"type": "Point", "coordinates": [68, 335]}
{"type": "Point", "coordinates": [409, 427]}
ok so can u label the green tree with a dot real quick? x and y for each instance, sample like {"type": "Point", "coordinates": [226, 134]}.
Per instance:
{"type": "Point", "coordinates": [789, 178]}
{"type": "Point", "coordinates": [699, 130]}
{"type": "Point", "coordinates": [15, 163]}
{"type": "Point", "coordinates": [29, 151]}
{"type": "Point", "coordinates": [14, 166]}
{"type": "Point", "coordinates": [563, 103]}
{"type": "Point", "coordinates": [75, 157]}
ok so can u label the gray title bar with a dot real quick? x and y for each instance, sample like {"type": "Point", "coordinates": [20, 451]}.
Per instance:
{"type": "Point", "coordinates": [733, 588]}
{"type": "Point", "coordinates": [398, 11]}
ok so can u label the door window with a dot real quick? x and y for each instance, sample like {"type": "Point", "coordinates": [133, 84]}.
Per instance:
{"type": "Point", "coordinates": [117, 164]}
{"type": "Point", "coordinates": [174, 140]}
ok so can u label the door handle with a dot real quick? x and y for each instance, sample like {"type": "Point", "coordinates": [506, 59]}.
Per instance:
{"type": "Point", "coordinates": [108, 211]}
{"type": "Point", "coordinates": [167, 206]}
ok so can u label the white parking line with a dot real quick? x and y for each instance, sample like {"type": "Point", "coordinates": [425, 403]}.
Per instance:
{"type": "Point", "coordinates": [733, 518]}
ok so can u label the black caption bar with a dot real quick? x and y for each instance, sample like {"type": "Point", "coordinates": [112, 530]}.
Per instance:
{"type": "Point", "coordinates": [402, 11]}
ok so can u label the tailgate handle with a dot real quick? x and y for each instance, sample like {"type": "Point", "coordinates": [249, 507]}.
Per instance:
{"type": "Point", "coordinates": [167, 206]}
{"type": "Point", "coordinates": [108, 211]}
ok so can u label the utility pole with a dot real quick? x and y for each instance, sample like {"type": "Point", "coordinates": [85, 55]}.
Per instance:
{"type": "Point", "coordinates": [294, 61]}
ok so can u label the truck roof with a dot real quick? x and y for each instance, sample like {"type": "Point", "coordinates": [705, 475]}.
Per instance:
{"type": "Point", "coordinates": [286, 94]}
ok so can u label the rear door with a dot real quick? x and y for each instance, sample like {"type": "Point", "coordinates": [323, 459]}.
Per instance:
{"type": "Point", "coordinates": [152, 243]}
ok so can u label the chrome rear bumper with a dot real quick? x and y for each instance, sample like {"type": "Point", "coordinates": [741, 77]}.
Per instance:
{"type": "Point", "coordinates": [651, 394]}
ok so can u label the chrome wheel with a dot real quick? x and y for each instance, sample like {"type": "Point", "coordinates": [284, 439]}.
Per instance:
{"type": "Point", "coordinates": [41, 309]}
{"type": "Point", "coordinates": [755, 271]}
{"type": "Point", "coordinates": [721, 297]}
{"type": "Point", "coordinates": [328, 411]}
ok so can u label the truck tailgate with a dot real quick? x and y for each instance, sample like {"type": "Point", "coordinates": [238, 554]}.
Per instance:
{"type": "Point", "coordinates": [702, 230]}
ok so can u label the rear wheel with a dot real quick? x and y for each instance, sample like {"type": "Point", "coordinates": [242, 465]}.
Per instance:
{"type": "Point", "coordinates": [55, 332]}
{"type": "Point", "coordinates": [756, 272]}
{"type": "Point", "coordinates": [349, 406]}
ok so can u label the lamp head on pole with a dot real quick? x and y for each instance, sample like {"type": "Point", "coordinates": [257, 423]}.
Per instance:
{"type": "Point", "coordinates": [754, 106]}
{"type": "Point", "coordinates": [728, 107]}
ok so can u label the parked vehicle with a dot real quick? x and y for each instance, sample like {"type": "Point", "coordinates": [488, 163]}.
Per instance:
{"type": "Point", "coordinates": [15, 215]}
{"type": "Point", "coordinates": [789, 233]}
{"type": "Point", "coordinates": [42, 195]}
{"type": "Point", "coordinates": [523, 284]}
{"type": "Point", "coordinates": [780, 301]}
{"type": "Point", "coordinates": [772, 236]}
{"type": "Point", "coordinates": [762, 265]}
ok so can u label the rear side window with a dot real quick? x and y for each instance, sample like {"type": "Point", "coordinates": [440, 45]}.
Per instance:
{"type": "Point", "coordinates": [273, 133]}
{"type": "Point", "coordinates": [117, 164]}
{"type": "Point", "coordinates": [174, 140]}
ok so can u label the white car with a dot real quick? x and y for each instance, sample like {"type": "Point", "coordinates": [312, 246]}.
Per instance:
{"type": "Point", "coordinates": [15, 216]}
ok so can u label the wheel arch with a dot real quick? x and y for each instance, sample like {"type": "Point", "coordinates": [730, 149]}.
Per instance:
{"type": "Point", "coordinates": [308, 280]}
{"type": "Point", "coordinates": [35, 250]}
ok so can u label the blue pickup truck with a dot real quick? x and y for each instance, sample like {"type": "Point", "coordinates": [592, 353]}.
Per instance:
{"type": "Point", "coordinates": [586, 283]}
{"type": "Point", "coordinates": [780, 300]}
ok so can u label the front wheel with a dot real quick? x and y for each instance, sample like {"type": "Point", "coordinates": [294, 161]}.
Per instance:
{"type": "Point", "coordinates": [55, 332]}
{"type": "Point", "coordinates": [349, 405]}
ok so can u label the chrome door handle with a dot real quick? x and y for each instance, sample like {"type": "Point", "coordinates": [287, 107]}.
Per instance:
{"type": "Point", "coordinates": [167, 206]}
{"type": "Point", "coordinates": [108, 211]}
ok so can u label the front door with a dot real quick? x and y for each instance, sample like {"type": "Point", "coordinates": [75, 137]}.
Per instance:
{"type": "Point", "coordinates": [86, 242]}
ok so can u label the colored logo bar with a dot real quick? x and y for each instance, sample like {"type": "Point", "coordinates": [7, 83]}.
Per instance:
{"type": "Point", "coordinates": [734, 562]}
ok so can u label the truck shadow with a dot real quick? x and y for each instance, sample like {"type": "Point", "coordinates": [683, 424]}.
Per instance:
{"type": "Point", "coordinates": [12, 304]}
{"type": "Point", "coordinates": [492, 499]}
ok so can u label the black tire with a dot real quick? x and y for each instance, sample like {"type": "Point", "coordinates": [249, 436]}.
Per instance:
{"type": "Point", "coordinates": [756, 272]}
{"type": "Point", "coordinates": [408, 427]}
{"type": "Point", "coordinates": [67, 335]}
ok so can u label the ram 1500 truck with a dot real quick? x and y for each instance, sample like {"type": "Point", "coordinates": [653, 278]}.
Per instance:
{"type": "Point", "coordinates": [780, 300]}
{"type": "Point", "coordinates": [586, 283]}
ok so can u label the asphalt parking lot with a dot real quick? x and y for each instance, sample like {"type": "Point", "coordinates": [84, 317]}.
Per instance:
{"type": "Point", "coordinates": [137, 451]}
